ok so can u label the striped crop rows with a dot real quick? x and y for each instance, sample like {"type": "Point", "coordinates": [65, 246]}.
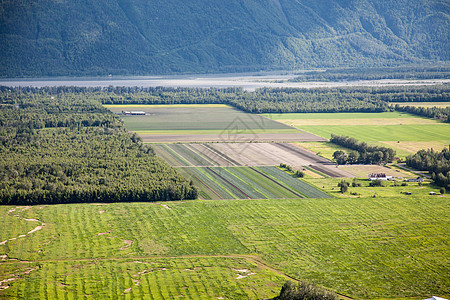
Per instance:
{"type": "Point", "coordinates": [248, 183]}
{"type": "Point", "coordinates": [193, 155]}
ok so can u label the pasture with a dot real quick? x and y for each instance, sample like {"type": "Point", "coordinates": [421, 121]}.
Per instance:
{"type": "Point", "coordinates": [249, 183]}
{"type": "Point", "coordinates": [368, 248]}
{"type": "Point", "coordinates": [403, 132]}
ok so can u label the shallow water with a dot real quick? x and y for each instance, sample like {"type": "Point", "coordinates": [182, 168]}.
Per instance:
{"type": "Point", "coordinates": [248, 81]}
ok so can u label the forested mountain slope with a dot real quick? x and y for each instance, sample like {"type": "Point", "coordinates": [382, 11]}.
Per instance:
{"type": "Point", "coordinates": [78, 37]}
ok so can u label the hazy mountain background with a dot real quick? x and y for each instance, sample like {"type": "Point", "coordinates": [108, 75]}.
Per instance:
{"type": "Point", "coordinates": [98, 37]}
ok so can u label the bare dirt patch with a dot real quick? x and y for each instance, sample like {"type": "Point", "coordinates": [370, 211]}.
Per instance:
{"type": "Point", "coordinates": [127, 244]}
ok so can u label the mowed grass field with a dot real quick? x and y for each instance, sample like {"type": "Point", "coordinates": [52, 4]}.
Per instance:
{"type": "Point", "coordinates": [248, 183]}
{"type": "Point", "coordinates": [196, 119]}
{"type": "Point", "coordinates": [404, 132]}
{"type": "Point", "coordinates": [365, 248]}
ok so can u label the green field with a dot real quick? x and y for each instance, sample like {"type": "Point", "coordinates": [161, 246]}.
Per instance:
{"type": "Point", "coordinates": [420, 133]}
{"type": "Point", "coordinates": [404, 132]}
{"type": "Point", "coordinates": [196, 119]}
{"type": "Point", "coordinates": [342, 116]}
{"type": "Point", "coordinates": [248, 183]}
{"type": "Point", "coordinates": [364, 248]}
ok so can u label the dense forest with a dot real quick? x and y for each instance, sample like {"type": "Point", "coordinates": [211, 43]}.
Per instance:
{"type": "Point", "coordinates": [264, 100]}
{"type": "Point", "coordinates": [437, 163]}
{"type": "Point", "coordinates": [65, 147]}
{"type": "Point", "coordinates": [362, 154]}
{"type": "Point", "coordinates": [101, 37]}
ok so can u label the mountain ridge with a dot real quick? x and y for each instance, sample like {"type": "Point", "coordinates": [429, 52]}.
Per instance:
{"type": "Point", "coordinates": [140, 37]}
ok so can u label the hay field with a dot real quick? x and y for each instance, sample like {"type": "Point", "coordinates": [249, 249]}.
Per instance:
{"type": "Point", "coordinates": [384, 247]}
{"type": "Point", "coordinates": [403, 132]}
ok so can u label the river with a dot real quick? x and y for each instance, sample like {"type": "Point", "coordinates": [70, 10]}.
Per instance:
{"type": "Point", "coordinates": [248, 81]}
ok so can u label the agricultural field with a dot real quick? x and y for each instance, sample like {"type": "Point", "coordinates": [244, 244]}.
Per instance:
{"type": "Point", "coordinates": [403, 132]}
{"type": "Point", "coordinates": [237, 154]}
{"type": "Point", "coordinates": [364, 248]}
{"type": "Point", "coordinates": [207, 123]}
{"type": "Point", "coordinates": [390, 189]}
{"type": "Point", "coordinates": [323, 149]}
{"type": "Point", "coordinates": [248, 183]}
{"type": "Point", "coordinates": [362, 171]}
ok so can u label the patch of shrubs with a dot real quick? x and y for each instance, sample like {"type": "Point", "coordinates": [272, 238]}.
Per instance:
{"type": "Point", "coordinates": [304, 291]}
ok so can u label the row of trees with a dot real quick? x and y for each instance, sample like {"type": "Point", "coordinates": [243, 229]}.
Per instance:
{"type": "Point", "coordinates": [439, 113]}
{"type": "Point", "coordinates": [362, 154]}
{"type": "Point", "coordinates": [435, 162]}
{"type": "Point", "coordinates": [49, 154]}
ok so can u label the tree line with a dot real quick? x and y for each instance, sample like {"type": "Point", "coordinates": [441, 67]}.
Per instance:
{"type": "Point", "coordinates": [66, 148]}
{"type": "Point", "coordinates": [263, 100]}
{"type": "Point", "coordinates": [439, 113]}
{"type": "Point", "coordinates": [435, 162]}
{"type": "Point", "coordinates": [349, 74]}
{"type": "Point", "coordinates": [362, 152]}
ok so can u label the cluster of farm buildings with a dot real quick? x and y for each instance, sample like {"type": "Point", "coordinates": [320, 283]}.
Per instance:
{"type": "Point", "coordinates": [384, 177]}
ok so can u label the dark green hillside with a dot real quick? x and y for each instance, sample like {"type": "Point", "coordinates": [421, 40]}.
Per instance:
{"type": "Point", "coordinates": [149, 37]}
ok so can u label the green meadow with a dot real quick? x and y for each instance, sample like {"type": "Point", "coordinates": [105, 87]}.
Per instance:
{"type": "Point", "coordinates": [366, 248]}
{"type": "Point", "coordinates": [404, 132]}
{"type": "Point", "coordinates": [367, 133]}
